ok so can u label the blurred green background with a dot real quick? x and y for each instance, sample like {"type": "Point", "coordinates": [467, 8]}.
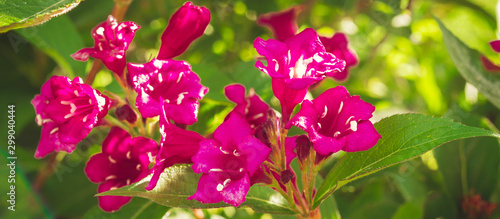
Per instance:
{"type": "Point", "coordinates": [404, 67]}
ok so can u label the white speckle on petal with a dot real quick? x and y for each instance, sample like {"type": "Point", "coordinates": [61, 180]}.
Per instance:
{"type": "Point", "coordinates": [220, 187]}
{"type": "Point", "coordinates": [325, 112]}
{"type": "Point", "coordinates": [341, 106]}
{"type": "Point", "coordinates": [100, 31]}
{"type": "Point", "coordinates": [354, 126]}
{"type": "Point", "coordinates": [110, 177]}
{"type": "Point", "coordinates": [111, 159]}
{"type": "Point", "coordinates": [181, 97]}
{"type": "Point", "coordinates": [225, 152]}
{"type": "Point", "coordinates": [54, 130]}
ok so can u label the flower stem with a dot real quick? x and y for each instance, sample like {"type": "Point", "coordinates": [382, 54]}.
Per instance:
{"type": "Point", "coordinates": [96, 67]}
{"type": "Point", "coordinates": [118, 12]}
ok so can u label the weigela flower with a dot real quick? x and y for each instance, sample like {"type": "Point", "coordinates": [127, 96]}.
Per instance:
{"type": "Point", "coordinates": [177, 146]}
{"type": "Point", "coordinates": [67, 111]}
{"type": "Point", "coordinates": [337, 121]}
{"type": "Point", "coordinates": [338, 46]}
{"type": "Point", "coordinates": [167, 83]}
{"type": "Point", "coordinates": [283, 24]}
{"type": "Point", "coordinates": [123, 161]}
{"type": "Point", "coordinates": [294, 65]}
{"type": "Point", "coordinates": [227, 162]}
{"type": "Point", "coordinates": [254, 109]}
{"type": "Point", "coordinates": [186, 25]}
{"type": "Point", "coordinates": [111, 41]}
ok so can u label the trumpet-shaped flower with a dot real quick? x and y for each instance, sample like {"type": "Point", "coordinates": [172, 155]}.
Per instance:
{"type": "Point", "coordinates": [177, 146]}
{"type": "Point", "coordinates": [228, 162]}
{"type": "Point", "coordinates": [338, 46]}
{"type": "Point", "coordinates": [111, 41]}
{"type": "Point", "coordinates": [67, 110]}
{"type": "Point", "coordinates": [283, 24]}
{"type": "Point", "coordinates": [251, 106]}
{"type": "Point", "coordinates": [170, 84]}
{"type": "Point", "coordinates": [294, 65]}
{"type": "Point", "coordinates": [335, 121]}
{"type": "Point", "coordinates": [123, 161]}
{"type": "Point", "coordinates": [186, 25]}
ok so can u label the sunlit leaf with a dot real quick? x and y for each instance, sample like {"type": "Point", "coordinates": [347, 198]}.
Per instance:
{"type": "Point", "coordinates": [404, 137]}
{"type": "Point", "coordinates": [16, 14]}
{"type": "Point", "coordinates": [58, 43]}
{"type": "Point", "coordinates": [467, 62]}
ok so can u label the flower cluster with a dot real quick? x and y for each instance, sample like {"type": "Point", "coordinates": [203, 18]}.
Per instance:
{"type": "Point", "coordinates": [250, 146]}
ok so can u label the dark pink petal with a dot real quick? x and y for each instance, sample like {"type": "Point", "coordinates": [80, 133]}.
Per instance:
{"type": "Point", "coordinates": [111, 41]}
{"type": "Point", "coordinates": [227, 162]}
{"type": "Point", "coordinates": [283, 24]}
{"type": "Point", "coordinates": [235, 191]}
{"type": "Point", "coordinates": [290, 145]}
{"type": "Point", "coordinates": [365, 137]}
{"type": "Point", "coordinates": [50, 142]}
{"type": "Point", "coordinates": [255, 152]}
{"type": "Point", "coordinates": [177, 146]}
{"type": "Point", "coordinates": [111, 203]}
{"type": "Point", "coordinates": [495, 45]}
{"type": "Point", "coordinates": [67, 110]}
{"type": "Point", "coordinates": [338, 45]}
{"type": "Point", "coordinates": [170, 84]}
{"type": "Point", "coordinates": [231, 132]}
{"type": "Point", "coordinates": [337, 121]}
{"type": "Point", "coordinates": [116, 143]}
{"type": "Point", "coordinates": [186, 25]}
{"type": "Point", "coordinates": [252, 106]}
{"type": "Point", "coordinates": [235, 93]}
{"type": "Point", "coordinates": [294, 65]}
{"type": "Point", "coordinates": [97, 168]}
{"type": "Point", "coordinates": [207, 189]}
{"type": "Point", "coordinates": [123, 161]}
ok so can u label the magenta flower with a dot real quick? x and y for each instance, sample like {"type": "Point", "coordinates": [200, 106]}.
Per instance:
{"type": "Point", "coordinates": [177, 146]}
{"type": "Point", "coordinates": [283, 24]}
{"type": "Point", "coordinates": [123, 161]}
{"type": "Point", "coordinates": [167, 83]}
{"type": "Point", "coordinates": [111, 41]}
{"type": "Point", "coordinates": [338, 46]}
{"type": "Point", "coordinates": [67, 111]}
{"type": "Point", "coordinates": [186, 25]}
{"type": "Point", "coordinates": [251, 105]}
{"type": "Point", "coordinates": [227, 162]}
{"type": "Point", "coordinates": [294, 65]}
{"type": "Point", "coordinates": [337, 121]}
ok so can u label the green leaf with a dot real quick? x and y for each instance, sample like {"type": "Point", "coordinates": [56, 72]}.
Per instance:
{"type": "Point", "coordinates": [16, 14]}
{"type": "Point", "coordinates": [179, 182]}
{"type": "Point", "coordinates": [404, 137]}
{"type": "Point", "coordinates": [467, 62]}
{"type": "Point", "coordinates": [469, 164]}
{"type": "Point", "coordinates": [58, 43]}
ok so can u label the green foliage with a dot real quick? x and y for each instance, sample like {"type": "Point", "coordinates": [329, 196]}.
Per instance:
{"type": "Point", "coordinates": [404, 137]}
{"type": "Point", "coordinates": [58, 43]}
{"type": "Point", "coordinates": [16, 14]}
{"type": "Point", "coordinates": [179, 182]}
{"type": "Point", "coordinates": [467, 62]}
